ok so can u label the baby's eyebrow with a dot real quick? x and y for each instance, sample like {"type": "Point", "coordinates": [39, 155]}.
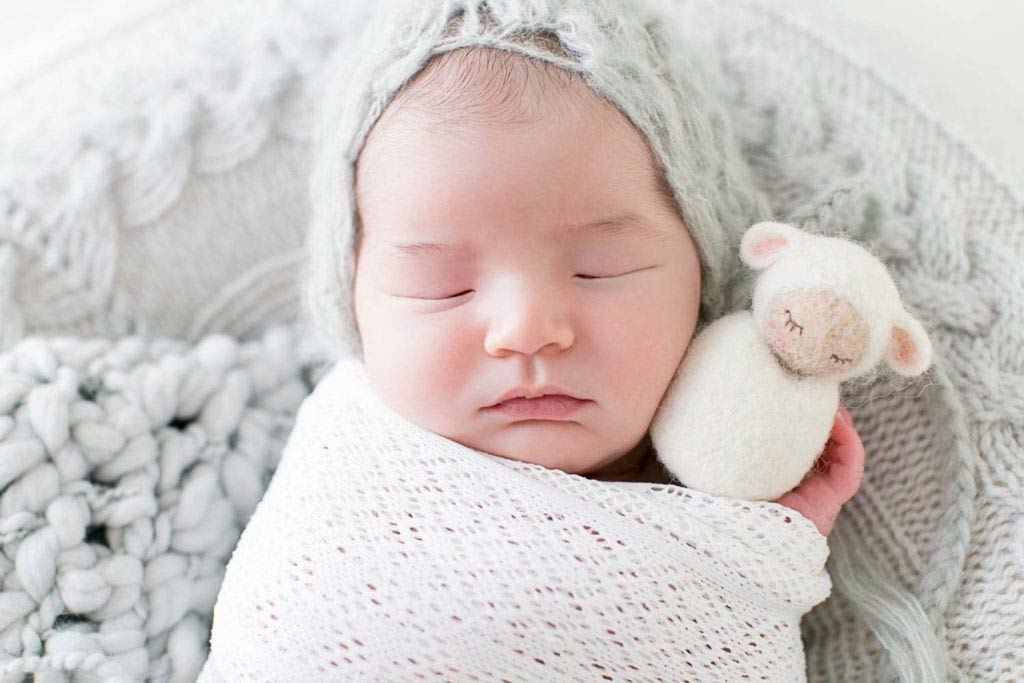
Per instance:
{"type": "Point", "coordinates": [624, 225]}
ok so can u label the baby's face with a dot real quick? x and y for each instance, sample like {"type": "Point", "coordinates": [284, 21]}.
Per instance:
{"type": "Point", "coordinates": [556, 263]}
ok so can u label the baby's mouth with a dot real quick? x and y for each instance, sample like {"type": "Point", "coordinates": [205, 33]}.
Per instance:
{"type": "Point", "coordinates": [550, 407]}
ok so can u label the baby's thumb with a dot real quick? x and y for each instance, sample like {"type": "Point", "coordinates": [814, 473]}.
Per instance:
{"type": "Point", "coordinates": [845, 414]}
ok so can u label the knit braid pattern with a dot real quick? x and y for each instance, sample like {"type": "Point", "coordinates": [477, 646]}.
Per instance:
{"type": "Point", "coordinates": [926, 560]}
{"type": "Point", "coordinates": [153, 182]}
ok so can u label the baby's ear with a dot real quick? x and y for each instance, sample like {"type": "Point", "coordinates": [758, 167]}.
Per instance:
{"type": "Point", "coordinates": [910, 351]}
{"type": "Point", "coordinates": [763, 243]}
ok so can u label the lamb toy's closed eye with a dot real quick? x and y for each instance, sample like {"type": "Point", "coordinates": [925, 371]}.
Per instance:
{"type": "Point", "coordinates": [752, 404]}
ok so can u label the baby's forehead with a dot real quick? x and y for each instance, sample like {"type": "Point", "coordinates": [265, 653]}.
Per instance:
{"type": "Point", "coordinates": [471, 94]}
{"type": "Point", "coordinates": [468, 95]}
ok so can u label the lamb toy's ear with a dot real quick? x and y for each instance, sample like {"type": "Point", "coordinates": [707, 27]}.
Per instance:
{"type": "Point", "coordinates": [910, 351]}
{"type": "Point", "coordinates": [763, 243]}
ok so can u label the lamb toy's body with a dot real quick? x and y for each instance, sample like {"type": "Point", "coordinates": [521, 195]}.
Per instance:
{"type": "Point", "coordinates": [756, 446]}
{"type": "Point", "coordinates": [752, 404]}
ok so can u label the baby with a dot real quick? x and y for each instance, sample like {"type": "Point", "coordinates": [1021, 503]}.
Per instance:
{"type": "Point", "coordinates": [519, 253]}
{"type": "Point", "coordinates": [514, 263]}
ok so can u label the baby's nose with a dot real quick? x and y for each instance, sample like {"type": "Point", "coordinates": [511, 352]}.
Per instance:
{"type": "Point", "coordinates": [529, 319]}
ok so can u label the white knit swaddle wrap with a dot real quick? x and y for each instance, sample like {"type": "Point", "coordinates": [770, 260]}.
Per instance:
{"type": "Point", "coordinates": [383, 551]}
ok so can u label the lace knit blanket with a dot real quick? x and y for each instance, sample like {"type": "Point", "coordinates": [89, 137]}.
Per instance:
{"type": "Point", "coordinates": [382, 551]}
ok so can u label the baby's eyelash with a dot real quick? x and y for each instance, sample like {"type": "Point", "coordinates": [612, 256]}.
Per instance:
{"type": "Point", "coordinates": [579, 275]}
{"type": "Point", "coordinates": [793, 323]}
{"type": "Point", "coordinates": [841, 360]}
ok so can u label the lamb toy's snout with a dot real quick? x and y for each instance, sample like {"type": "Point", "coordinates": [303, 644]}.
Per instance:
{"type": "Point", "coordinates": [815, 333]}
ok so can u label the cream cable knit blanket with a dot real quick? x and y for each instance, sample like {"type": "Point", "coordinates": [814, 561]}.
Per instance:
{"type": "Point", "coordinates": [382, 551]}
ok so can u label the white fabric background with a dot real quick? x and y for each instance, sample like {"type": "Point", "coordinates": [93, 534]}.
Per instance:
{"type": "Point", "coordinates": [961, 60]}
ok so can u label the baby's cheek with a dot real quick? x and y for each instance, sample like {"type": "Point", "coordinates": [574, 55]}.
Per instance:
{"type": "Point", "coordinates": [441, 352]}
{"type": "Point", "coordinates": [638, 349]}
{"type": "Point", "coordinates": [424, 376]}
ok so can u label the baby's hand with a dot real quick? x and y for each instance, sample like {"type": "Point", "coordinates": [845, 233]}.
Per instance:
{"type": "Point", "coordinates": [834, 478]}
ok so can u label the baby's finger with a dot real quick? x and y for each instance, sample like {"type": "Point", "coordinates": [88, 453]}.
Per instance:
{"type": "Point", "coordinates": [842, 427]}
{"type": "Point", "coordinates": [795, 500]}
{"type": "Point", "coordinates": [846, 468]}
{"type": "Point", "coordinates": [820, 496]}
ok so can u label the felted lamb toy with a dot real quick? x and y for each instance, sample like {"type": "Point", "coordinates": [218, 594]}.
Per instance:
{"type": "Point", "coordinates": [752, 404]}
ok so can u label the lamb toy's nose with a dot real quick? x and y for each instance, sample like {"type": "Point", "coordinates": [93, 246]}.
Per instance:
{"type": "Point", "coordinates": [815, 333]}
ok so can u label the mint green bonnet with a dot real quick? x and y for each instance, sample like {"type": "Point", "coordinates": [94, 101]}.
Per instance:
{"type": "Point", "coordinates": [625, 52]}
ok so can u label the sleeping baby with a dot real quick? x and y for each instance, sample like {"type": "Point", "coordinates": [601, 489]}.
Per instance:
{"type": "Point", "coordinates": [522, 213]}
{"type": "Point", "coordinates": [519, 253]}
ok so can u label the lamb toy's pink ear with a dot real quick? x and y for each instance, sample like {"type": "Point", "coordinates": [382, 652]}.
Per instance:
{"type": "Point", "coordinates": [910, 351]}
{"type": "Point", "coordinates": [763, 243]}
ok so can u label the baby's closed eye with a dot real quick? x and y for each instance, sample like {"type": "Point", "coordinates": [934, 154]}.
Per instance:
{"type": "Point", "coordinates": [611, 276]}
{"type": "Point", "coordinates": [458, 293]}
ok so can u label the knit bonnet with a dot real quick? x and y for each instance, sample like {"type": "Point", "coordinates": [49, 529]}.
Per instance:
{"type": "Point", "coordinates": [626, 52]}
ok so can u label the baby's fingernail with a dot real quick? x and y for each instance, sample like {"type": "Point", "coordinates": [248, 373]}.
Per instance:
{"type": "Point", "coordinates": [845, 414]}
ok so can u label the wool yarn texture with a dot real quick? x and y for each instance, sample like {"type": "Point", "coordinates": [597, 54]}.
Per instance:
{"type": "Point", "coordinates": [383, 551]}
{"type": "Point", "coordinates": [127, 468]}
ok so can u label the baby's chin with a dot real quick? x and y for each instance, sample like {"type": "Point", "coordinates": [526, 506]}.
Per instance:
{"type": "Point", "coordinates": [561, 445]}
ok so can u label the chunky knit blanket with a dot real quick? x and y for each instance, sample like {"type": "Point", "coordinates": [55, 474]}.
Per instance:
{"type": "Point", "coordinates": [128, 468]}
{"type": "Point", "coordinates": [925, 561]}
{"type": "Point", "coordinates": [382, 551]}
